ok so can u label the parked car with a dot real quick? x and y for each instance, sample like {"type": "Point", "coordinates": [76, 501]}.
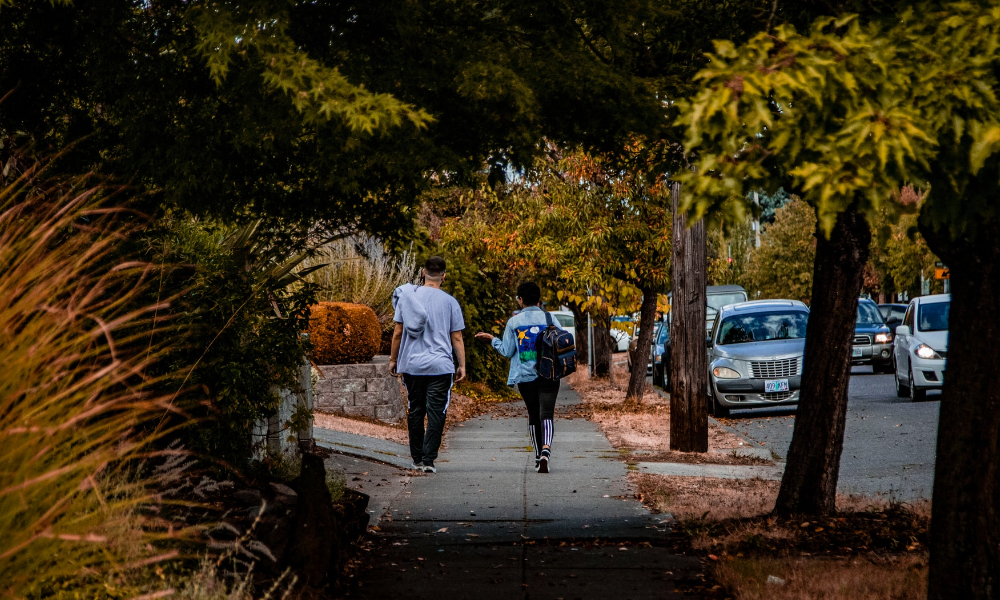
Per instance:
{"type": "Point", "coordinates": [892, 313]}
{"type": "Point", "coordinates": [920, 351]}
{"type": "Point", "coordinates": [716, 296]}
{"type": "Point", "coordinates": [621, 339]}
{"type": "Point", "coordinates": [659, 355]}
{"type": "Point", "coordinates": [872, 344]}
{"type": "Point", "coordinates": [755, 354]}
{"type": "Point", "coordinates": [564, 319]}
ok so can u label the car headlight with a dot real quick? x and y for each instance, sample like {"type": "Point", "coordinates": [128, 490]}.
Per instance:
{"type": "Point", "coordinates": [925, 351]}
{"type": "Point", "coordinates": [883, 338]}
{"type": "Point", "coordinates": [725, 373]}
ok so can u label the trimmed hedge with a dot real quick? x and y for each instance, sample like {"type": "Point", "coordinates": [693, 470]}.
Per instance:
{"type": "Point", "coordinates": [343, 333]}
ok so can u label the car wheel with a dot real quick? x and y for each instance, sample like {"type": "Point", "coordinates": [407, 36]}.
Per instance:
{"type": "Point", "coordinates": [902, 391]}
{"type": "Point", "coordinates": [717, 409]}
{"type": "Point", "coordinates": [658, 376]}
{"type": "Point", "coordinates": [915, 393]}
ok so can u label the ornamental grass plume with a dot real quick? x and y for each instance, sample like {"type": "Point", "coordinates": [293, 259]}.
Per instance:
{"type": "Point", "coordinates": [76, 407]}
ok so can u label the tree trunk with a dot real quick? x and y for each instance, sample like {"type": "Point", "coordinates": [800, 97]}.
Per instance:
{"type": "Point", "coordinates": [809, 485]}
{"type": "Point", "coordinates": [689, 358]}
{"type": "Point", "coordinates": [647, 319]}
{"type": "Point", "coordinates": [602, 346]}
{"type": "Point", "coordinates": [965, 516]}
{"type": "Point", "coordinates": [580, 323]}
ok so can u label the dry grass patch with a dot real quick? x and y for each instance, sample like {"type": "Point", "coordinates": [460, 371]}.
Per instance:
{"type": "Point", "coordinates": [805, 578]}
{"type": "Point", "coordinates": [705, 497]}
{"type": "Point", "coordinates": [645, 427]}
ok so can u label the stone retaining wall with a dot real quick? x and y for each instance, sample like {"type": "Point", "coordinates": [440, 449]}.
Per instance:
{"type": "Point", "coordinates": [360, 390]}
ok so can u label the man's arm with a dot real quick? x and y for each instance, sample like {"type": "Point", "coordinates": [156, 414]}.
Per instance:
{"type": "Point", "coordinates": [397, 337]}
{"type": "Point", "coordinates": [459, 345]}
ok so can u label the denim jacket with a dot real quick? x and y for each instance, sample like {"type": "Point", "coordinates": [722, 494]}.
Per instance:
{"type": "Point", "coordinates": [518, 343]}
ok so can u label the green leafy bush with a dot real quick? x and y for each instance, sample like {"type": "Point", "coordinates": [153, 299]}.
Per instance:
{"type": "Point", "coordinates": [241, 321]}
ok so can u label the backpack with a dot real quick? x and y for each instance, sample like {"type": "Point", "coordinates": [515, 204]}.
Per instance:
{"type": "Point", "coordinates": [556, 351]}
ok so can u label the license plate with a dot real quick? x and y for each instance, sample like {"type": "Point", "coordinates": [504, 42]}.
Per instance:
{"type": "Point", "coordinates": [776, 385]}
{"type": "Point", "coordinates": [855, 352]}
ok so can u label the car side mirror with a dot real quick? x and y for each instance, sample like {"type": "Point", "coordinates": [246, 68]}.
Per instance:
{"type": "Point", "coordinates": [892, 320]}
{"type": "Point", "coordinates": [708, 342]}
{"type": "Point", "coordinates": [902, 330]}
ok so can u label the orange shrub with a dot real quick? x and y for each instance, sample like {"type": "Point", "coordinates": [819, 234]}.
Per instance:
{"type": "Point", "coordinates": [343, 333]}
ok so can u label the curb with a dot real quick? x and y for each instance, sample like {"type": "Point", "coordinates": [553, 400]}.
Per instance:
{"type": "Point", "coordinates": [746, 440]}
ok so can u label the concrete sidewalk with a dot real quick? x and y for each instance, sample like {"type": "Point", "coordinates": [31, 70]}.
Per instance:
{"type": "Point", "coordinates": [487, 526]}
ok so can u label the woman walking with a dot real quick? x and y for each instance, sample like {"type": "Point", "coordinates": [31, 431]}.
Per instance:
{"type": "Point", "coordinates": [539, 394]}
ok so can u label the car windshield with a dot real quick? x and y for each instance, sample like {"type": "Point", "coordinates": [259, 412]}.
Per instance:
{"type": "Point", "coordinates": [868, 315]}
{"type": "Point", "coordinates": [564, 320]}
{"type": "Point", "coordinates": [717, 301]}
{"type": "Point", "coordinates": [934, 316]}
{"type": "Point", "coordinates": [763, 326]}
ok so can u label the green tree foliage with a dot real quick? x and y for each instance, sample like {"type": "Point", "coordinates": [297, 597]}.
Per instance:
{"type": "Point", "coordinates": [241, 321]}
{"type": "Point", "coordinates": [769, 203]}
{"type": "Point", "coordinates": [783, 265]}
{"type": "Point", "coordinates": [823, 114]}
{"type": "Point", "coordinates": [730, 250]}
{"type": "Point", "coordinates": [581, 224]}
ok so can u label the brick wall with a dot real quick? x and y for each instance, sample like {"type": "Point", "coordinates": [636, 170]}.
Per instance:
{"type": "Point", "coordinates": [360, 390]}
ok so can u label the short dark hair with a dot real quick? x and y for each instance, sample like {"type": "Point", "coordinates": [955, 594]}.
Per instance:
{"type": "Point", "coordinates": [529, 293]}
{"type": "Point", "coordinates": [434, 266]}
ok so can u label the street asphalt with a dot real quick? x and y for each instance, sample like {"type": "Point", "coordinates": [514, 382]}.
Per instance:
{"type": "Point", "coordinates": [486, 525]}
{"type": "Point", "coordinates": [889, 442]}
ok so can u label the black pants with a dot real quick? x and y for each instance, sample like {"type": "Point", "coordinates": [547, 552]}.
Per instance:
{"type": "Point", "coordinates": [540, 400]}
{"type": "Point", "coordinates": [427, 396]}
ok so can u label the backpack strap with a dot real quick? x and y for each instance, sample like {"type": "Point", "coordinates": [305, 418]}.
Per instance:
{"type": "Point", "coordinates": [548, 318]}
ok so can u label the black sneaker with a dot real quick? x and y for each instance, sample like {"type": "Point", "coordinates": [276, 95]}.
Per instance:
{"type": "Point", "coordinates": [429, 468]}
{"type": "Point", "coordinates": [543, 464]}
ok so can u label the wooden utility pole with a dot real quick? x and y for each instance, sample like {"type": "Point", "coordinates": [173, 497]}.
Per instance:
{"type": "Point", "coordinates": [689, 356]}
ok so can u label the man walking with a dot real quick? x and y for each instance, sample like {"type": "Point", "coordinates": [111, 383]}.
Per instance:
{"type": "Point", "coordinates": [428, 351]}
{"type": "Point", "coordinates": [539, 394]}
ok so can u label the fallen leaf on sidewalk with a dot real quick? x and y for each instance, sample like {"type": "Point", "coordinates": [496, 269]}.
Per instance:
{"type": "Point", "coordinates": [442, 530]}
{"type": "Point", "coordinates": [713, 557]}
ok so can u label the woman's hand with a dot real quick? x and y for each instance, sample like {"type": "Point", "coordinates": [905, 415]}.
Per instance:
{"type": "Point", "coordinates": [486, 337]}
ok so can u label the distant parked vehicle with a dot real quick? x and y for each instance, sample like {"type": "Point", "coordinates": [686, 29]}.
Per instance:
{"type": "Point", "coordinates": [621, 331]}
{"type": "Point", "coordinates": [872, 344]}
{"type": "Point", "coordinates": [717, 296]}
{"type": "Point", "coordinates": [755, 354]}
{"type": "Point", "coordinates": [659, 355]}
{"type": "Point", "coordinates": [920, 352]}
{"type": "Point", "coordinates": [564, 319]}
{"type": "Point", "coordinates": [892, 313]}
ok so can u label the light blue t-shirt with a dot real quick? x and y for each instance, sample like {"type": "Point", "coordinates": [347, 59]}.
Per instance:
{"type": "Point", "coordinates": [430, 353]}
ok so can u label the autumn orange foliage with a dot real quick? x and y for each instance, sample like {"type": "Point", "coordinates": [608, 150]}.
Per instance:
{"type": "Point", "coordinates": [343, 333]}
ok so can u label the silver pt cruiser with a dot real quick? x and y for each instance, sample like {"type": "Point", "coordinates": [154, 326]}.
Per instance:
{"type": "Point", "coordinates": [755, 355]}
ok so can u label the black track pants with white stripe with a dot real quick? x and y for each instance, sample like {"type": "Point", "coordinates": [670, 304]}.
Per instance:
{"type": "Point", "coordinates": [427, 396]}
{"type": "Point", "coordinates": [540, 400]}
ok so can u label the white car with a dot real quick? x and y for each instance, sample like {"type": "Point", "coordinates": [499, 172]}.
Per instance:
{"type": "Point", "coordinates": [621, 339]}
{"type": "Point", "coordinates": [920, 350]}
{"type": "Point", "coordinates": [564, 319]}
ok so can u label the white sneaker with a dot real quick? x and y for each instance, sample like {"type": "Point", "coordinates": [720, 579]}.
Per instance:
{"type": "Point", "coordinates": [430, 469]}
{"type": "Point", "coordinates": [418, 466]}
